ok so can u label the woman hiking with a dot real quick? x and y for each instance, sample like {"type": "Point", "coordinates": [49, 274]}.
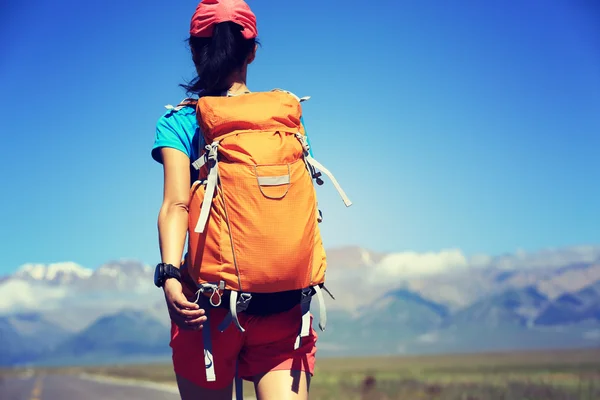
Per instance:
{"type": "Point", "coordinates": [238, 180]}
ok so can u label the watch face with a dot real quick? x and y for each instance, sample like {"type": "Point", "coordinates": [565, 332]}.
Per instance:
{"type": "Point", "coordinates": [158, 274]}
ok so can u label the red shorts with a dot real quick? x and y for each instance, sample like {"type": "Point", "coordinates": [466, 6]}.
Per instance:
{"type": "Point", "coordinates": [267, 345]}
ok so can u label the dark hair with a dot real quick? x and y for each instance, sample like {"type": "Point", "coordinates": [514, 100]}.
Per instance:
{"type": "Point", "coordinates": [217, 57]}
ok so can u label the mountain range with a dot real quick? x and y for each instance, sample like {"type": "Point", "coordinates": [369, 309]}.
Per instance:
{"type": "Point", "coordinates": [385, 303]}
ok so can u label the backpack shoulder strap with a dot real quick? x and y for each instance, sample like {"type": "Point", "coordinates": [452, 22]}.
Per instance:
{"type": "Point", "coordinates": [300, 99]}
{"type": "Point", "coordinates": [187, 102]}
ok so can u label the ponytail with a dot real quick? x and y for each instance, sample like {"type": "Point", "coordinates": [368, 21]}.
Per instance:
{"type": "Point", "coordinates": [217, 57]}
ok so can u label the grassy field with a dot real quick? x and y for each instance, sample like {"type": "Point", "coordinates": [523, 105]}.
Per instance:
{"type": "Point", "coordinates": [547, 375]}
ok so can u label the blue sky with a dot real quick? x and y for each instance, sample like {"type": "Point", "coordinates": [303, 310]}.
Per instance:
{"type": "Point", "coordinates": [471, 125]}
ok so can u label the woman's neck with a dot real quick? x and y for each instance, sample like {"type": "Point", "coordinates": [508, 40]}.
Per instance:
{"type": "Point", "coordinates": [238, 88]}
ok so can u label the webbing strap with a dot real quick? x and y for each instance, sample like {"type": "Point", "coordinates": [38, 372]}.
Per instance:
{"type": "Point", "coordinates": [274, 180]}
{"type": "Point", "coordinates": [211, 185]}
{"type": "Point", "coordinates": [300, 99]}
{"type": "Point", "coordinates": [237, 304]}
{"type": "Point", "coordinates": [209, 363]}
{"type": "Point", "coordinates": [305, 310]}
{"type": "Point", "coordinates": [312, 164]}
{"type": "Point", "coordinates": [322, 308]}
{"type": "Point", "coordinates": [188, 101]}
{"type": "Point", "coordinates": [199, 163]}
{"type": "Point", "coordinates": [320, 167]}
{"type": "Point", "coordinates": [239, 383]}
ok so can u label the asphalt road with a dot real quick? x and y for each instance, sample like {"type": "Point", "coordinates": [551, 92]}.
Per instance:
{"type": "Point", "coordinates": [67, 387]}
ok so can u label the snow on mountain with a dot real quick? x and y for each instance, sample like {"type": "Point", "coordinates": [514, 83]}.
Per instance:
{"type": "Point", "coordinates": [570, 280]}
{"type": "Point", "coordinates": [124, 267]}
{"type": "Point", "coordinates": [551, 258]}
{"type": "Point", "coordinates": [64, 272]}
{"type": "Point", "coordinates": [70, 272]}
{"type": "Point", "coordinates": [121, 275]}
{"type": "Point", "coordinates": [58, 286]}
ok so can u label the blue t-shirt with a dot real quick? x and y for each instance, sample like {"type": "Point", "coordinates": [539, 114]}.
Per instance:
{"type": "Point", "coordinates": [179, 129]}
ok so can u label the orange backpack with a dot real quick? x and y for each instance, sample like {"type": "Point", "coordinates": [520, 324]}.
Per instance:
{"type": "Point", "coordinates": [253, 214]}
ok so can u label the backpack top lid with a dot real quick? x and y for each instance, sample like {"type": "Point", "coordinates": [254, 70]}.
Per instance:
{"type": "Point", "coordinates": [276, 110]}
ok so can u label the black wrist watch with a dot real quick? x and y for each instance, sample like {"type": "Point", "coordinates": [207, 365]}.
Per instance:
{"type": "Point", "coordinates": [165, 271]}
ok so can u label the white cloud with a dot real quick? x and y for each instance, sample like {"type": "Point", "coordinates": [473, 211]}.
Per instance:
{"type": "Point", "coordinates": [412, 264]}
{"type": "Point", "coordinates": [19, 295]}
{"type": "Point", "coordinates": [429, 337]}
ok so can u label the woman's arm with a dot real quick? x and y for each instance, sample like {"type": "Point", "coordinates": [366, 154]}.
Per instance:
{"type": "Point", "coordinates": [173, 215]}
{"type": "Point", "coordinates": [172, 232]}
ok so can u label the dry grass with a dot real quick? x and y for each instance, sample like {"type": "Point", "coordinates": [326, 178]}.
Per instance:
{"type": "Point", "coordinates": [544, 375]}
{"type": "Point", "coordinates": [550, 375]}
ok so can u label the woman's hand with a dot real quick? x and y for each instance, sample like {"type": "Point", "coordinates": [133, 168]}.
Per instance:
{"type": "Point", "coordinates": [185, 314]}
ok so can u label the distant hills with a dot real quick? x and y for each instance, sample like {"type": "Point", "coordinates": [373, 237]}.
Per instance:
{"type": "Point", "coordinates": [27, 337]}
{"type": "Point", "coordinates": [124, 334]}
{"type": "Point", "coordinates": [397, 303]}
